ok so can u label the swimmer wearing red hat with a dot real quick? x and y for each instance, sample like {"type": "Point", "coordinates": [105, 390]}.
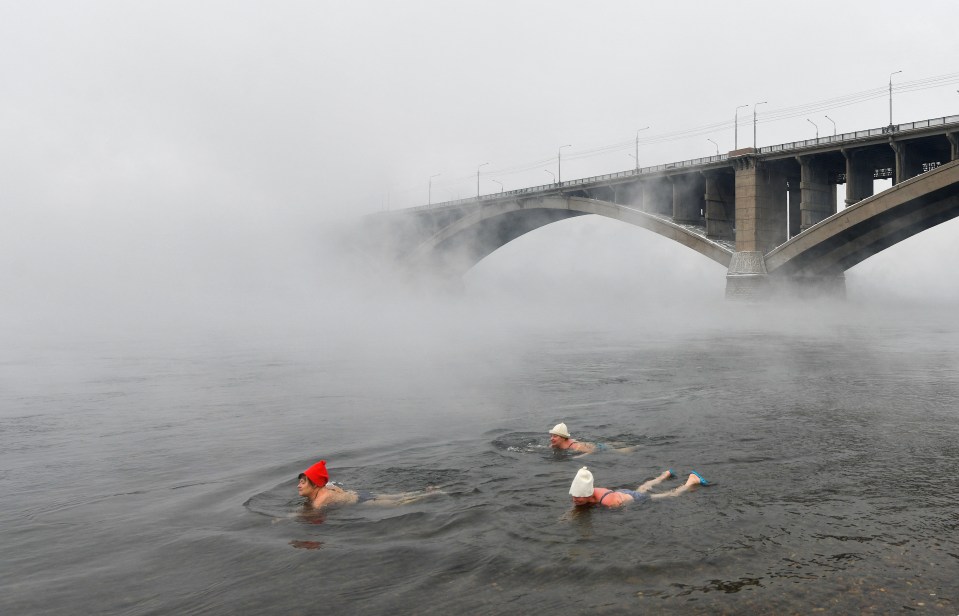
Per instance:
{"type": "Point", "coordinates": [315, 487]}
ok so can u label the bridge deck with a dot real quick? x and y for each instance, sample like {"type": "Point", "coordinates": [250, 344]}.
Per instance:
{"type": "Point", "coordinates": [722, 160]}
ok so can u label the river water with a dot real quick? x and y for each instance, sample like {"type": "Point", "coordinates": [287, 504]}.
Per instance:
{"type": "Point", "coordinates": [150, 472]}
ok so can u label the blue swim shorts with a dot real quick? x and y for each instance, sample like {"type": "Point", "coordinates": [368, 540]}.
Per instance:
{"type": "Point", "coordinates": [637, 496]}
{"type": "Point", "coordinates": [363, 496]}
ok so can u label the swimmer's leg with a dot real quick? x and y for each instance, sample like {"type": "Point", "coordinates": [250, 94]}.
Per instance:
{"type": "Point", "coordinates": [693, 481]}
{"type": "Point", "coordinates": [654, 482]}
{"type": "Point", "coordinates": [393, 500]}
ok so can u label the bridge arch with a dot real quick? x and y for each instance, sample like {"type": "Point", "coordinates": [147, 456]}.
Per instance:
{"type": "Point", "coordinates": [465, 242]}
{"type": "Point", "coordinates": [870, 226]}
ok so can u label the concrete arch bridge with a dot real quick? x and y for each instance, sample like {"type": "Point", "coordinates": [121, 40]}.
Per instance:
{"type": "Point", "coordinates": [769, 216]}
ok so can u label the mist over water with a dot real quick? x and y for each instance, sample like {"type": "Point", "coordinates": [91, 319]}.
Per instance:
{"type": "Point", "coordinates": [153, 420]}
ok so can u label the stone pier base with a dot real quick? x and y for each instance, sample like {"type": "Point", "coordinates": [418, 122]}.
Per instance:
{"type": "Point", "coordinates": [748, 280]}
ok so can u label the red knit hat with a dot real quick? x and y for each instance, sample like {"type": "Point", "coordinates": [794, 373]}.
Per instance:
{"type": "Point", "coordinates": [317, 474]}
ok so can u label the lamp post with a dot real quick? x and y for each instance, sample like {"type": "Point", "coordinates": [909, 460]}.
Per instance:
{"type": "Point", "coordinates": [890, 95]}
{"type": "Point", "coordinates": [736, 129]}
{"type": "Point", "coordinates": [477, 178]}
{"type": "Point", "coordinates": [498, 182]}
{"type": "Point", "coordinates": [552, 174]}
{"type": "Point", "coordinates": [817, 128]}
{"type": "Point", "coordinates": [559, 163]}
{"type": "Point", "coordinates": [715, 144]}
{"type": "Point", "coordinates": [637, 145]}
{"type": "Point", "coordinates": [833, 125]}
{"type": "Point", "coordinates": [754, 121]}
{"type": "Point", "coordinates": [429, 198]}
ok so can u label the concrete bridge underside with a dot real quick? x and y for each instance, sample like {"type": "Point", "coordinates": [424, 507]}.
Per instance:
{"type": "Point", "coordinates": [870, 226]}
{"type": "Point", "coordinates": [461, 245]}
{"type": "Point", "coordinates": [817, 258]}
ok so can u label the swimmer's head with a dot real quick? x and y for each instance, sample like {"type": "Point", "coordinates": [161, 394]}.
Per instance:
{"type": "Point", "coordinates": [558, 436]}
{"type": "Point", "coordinates": [582, 486]}
{"type": "Point", "coordinates": [317, 474]}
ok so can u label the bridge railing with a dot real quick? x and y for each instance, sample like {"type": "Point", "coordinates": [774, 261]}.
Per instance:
{"type": "Point", "coordinates": [559, 186]}
{"type": "Point", "coordinates": [697, 162]}
{"type": "Point", "coordinates": [861, 134]}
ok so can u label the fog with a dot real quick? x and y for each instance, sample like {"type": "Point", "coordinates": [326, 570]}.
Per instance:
{"type": "Point", "coordinates": [181, 166]}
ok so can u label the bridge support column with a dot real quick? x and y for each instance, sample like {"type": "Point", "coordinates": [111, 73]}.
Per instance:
{"type": "Point", "coordinates": [908, 164]}
{"type": "Point", "coordinates": [953, 145]}
{"type": "Point", "coordinates": [688, 198]}
{"type": "Point", "coordinates": [760, 206]}
{"type": "Point", "coordinates": [746, 278]}
{"type": "Point", "coordinates": [720, 202]}
{"type": "Point", "coordinates": [816, 202]}
{"type": "Point", "coordinates": [658, 197]}
{"type": "Point", "coordinates": [859, 176]}
{"type": "Point", "coordinates": [795, 199]}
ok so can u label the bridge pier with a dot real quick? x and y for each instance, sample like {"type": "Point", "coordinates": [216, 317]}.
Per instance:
{"type": "Point", "coordinates": [953, 145]}
{"type": "Point", "coordinates": [908, 161]}
{"type": "Point", "coordinates": [860, 169]}
{"type": "Point", "coordinates": [720, 204]}
{"type": "Point", "coordinates": [818, 195]}
{"type": "Point", "coordinates": [760, 205]}
{"type": "Point", "coordinates": [795, 199]}
{"type": "Point", "coordinates": [748, 280]}
{"type": "Point", "coordinates": [688, 198]}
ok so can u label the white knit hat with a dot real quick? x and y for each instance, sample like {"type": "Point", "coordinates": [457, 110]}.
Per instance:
{"type": "Point", "coordinates": [582, 484]}
{"type": "Point", "coordinates": [560, 430]}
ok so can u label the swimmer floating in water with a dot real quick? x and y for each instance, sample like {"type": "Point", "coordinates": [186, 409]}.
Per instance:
{"type": "Point", "coordinates": [584, 494]}
{"type": "Point", "coordinates": [314, 485]}
{"type": "Point", "coordinates": [559, 438]}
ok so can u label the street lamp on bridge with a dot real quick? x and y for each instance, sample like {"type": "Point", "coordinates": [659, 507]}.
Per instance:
{"type": "Point", "coordinates": [890, 95]}
{"type": "Point", "coordinates": [429, 195]}
{"type": "Point", "coordinates": [559, 163]}
{"type": "Point", "coordinates": [498, 182]}
{"type": "Point", "coordinates": [833, 125]}
{"type": "Point", "coordinates": [754, 121]}
{"type": "Point", "coordinates": [817, 128]}
{"type": "Point", "coordinates": [736, 127]}
{"type": "Point", "coordinates": [477, 179]}
{"type": "Point", "coordinates": [552, 174]}
{"type": "Point", "coordinates": [715, 144]}
{"type": "Point", "coordinates": [637, 146]}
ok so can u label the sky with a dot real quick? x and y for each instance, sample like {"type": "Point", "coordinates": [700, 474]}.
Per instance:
{"type": "Point", "coordinates": [172, 156]}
